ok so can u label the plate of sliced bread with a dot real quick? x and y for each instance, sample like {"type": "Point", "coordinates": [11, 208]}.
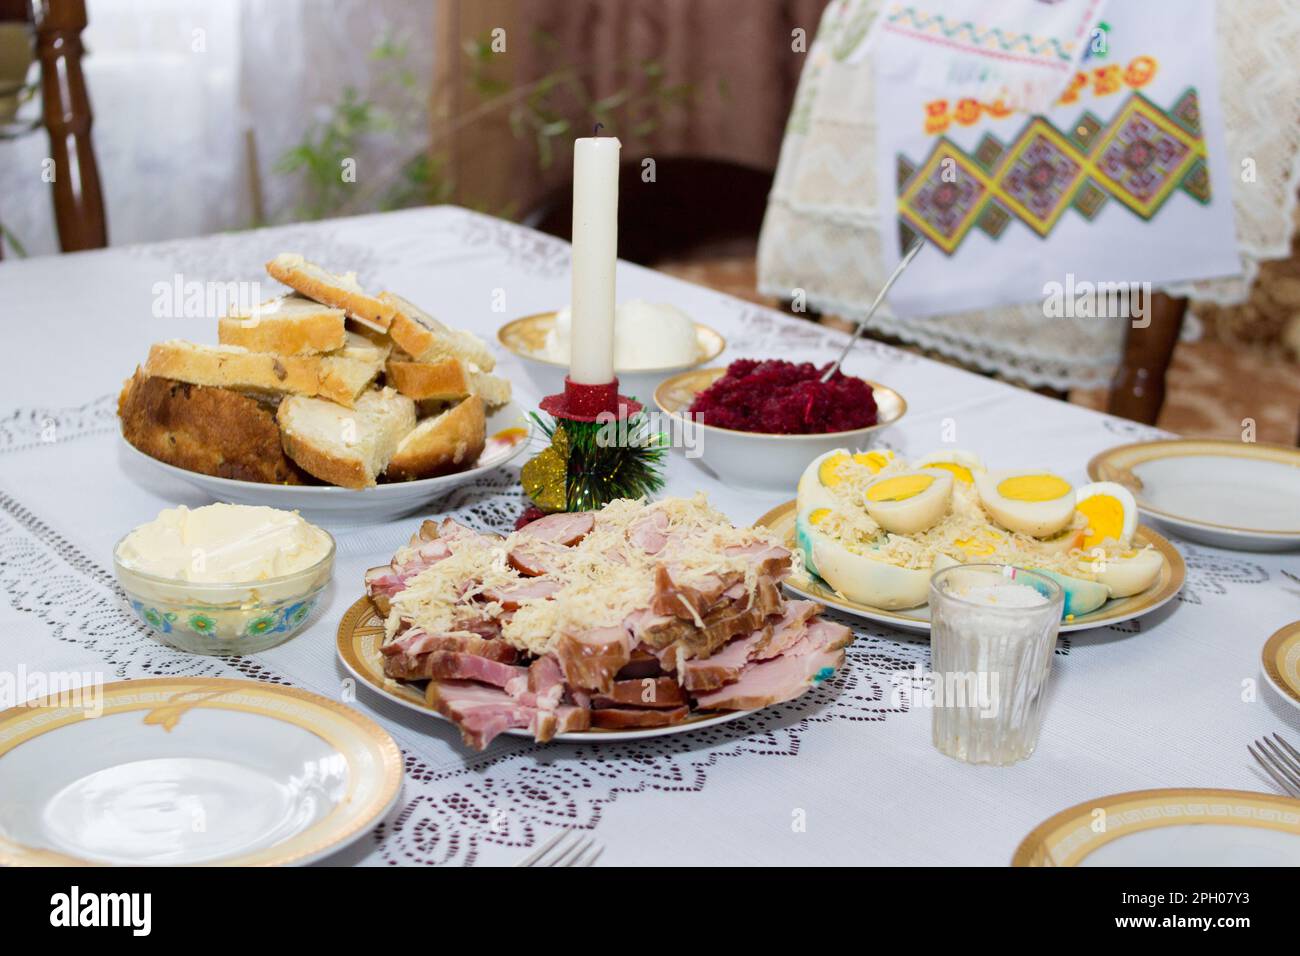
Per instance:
{"type": "Point", "coordinates": [326, 399]}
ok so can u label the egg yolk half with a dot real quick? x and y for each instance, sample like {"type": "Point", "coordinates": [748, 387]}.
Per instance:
{"type": "Point", "coordinates": [979, 546]}
{"type": "Point", "coordinates": [818, 515]}
{"type": "Point", "coordinates": [828, 472]}
{"type": "Point", "coordinates": [875, 460]}
{"type": "Point", "coordinates": [1034, 488]}
{"type": "Point", "coordinates": [1105, 514]}
{"type": "Point", "coordinates": [900, 488]}
{"type": "Point", "coordinates": [960, 472]}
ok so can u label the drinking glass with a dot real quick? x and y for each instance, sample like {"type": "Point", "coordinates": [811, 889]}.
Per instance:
{"type": "Point", "coordinates": [993, 630]}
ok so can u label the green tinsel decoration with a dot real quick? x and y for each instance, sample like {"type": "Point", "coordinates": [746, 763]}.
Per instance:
{"type": "Point", "coordinates": [590, 464]}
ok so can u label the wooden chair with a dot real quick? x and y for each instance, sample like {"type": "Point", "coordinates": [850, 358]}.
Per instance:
{"type": "Point", "coordinates": [1138, 389]}
{"type": "Point", "coordinates": [78, 199]}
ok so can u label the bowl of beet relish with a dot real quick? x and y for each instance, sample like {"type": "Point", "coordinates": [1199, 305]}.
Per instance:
{"type": "Point", "coordinates": [757, 423]}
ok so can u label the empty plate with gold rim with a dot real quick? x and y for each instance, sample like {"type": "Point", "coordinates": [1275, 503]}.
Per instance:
{"type": "Point", "coordinates": [1229, 494]}
{"type": "Point", "coordinates": [189, 770]}
{"type": "Point", "coordinates": [1169, 828]}
{"type": "Point", "coordinates": [781, 521]}
{"type": "Point", "coordinates": [1281, 661]}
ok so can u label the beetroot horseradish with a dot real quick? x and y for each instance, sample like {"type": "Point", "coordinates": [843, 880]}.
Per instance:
{"type": "Point", "coordinates": [782, 398]}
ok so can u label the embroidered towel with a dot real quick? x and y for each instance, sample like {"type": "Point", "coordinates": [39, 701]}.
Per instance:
{"type": "Point", "coordinates": [1122, 179]}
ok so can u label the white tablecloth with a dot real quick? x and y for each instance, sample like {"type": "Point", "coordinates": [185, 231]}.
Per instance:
{"type": "Point", "coordinates": [846, 774]}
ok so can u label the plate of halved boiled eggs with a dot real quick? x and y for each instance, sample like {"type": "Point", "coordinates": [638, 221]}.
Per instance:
{"type": "Point", "coordinates": [871, 528]}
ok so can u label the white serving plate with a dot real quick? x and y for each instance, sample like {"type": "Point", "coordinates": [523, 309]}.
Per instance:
{"type": "Point", "coordinates": [781, 521]}
{"type": "Point", "coordinates": [1169, 828]}
{"type": "Point", "coordinates": [190, 770]}
{"type": "Point", "coordinates": [1237, 495]}
{"type": "Point", "coordinates": [361, 632]}
{"type": "Point", "coordinates": [328, 504]}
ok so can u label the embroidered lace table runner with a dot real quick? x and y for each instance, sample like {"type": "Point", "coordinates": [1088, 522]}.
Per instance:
{"type": "Point", "coordinates": [845, 774]}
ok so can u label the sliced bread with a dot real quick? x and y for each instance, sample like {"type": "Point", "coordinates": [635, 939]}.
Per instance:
{"type": "Point", "coordinates": [347, 447]}
{"type": "Point", "coordinates": [442, 445]}
{"type": "Point", "coordinates": [435, 383]}
{"type": "Point", "coordinates": [426, 339]}
{"type": "Point", "coordinates": [289, 325]}
{"type": "Point", "coordinates": [343, 379]}
{"type": "Point", "coordinates": [340, 291]}
{"type": "Point", "coordinates": [338, 378]}
{"type": "Point", "coordinates": [493, 389]}
{"type": "Point", "coordinates": [443, 380]}
{"type": "Point", "coordinates": [369, 348]}
{"type": "Point", "coordinates": [232, 366]}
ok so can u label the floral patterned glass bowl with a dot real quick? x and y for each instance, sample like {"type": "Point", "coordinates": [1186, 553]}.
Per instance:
{"type": "Point", "coordinates": [226, 618]}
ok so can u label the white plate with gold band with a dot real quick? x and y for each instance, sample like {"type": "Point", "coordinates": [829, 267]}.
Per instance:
{"type": "Point", "coordinates": [189, 770]}
{"type": "Point", "coordinates": [781, 520]}
{"type": "Point", "coordinates": [1281, 660]}
{"type": "Point", "coordinates": [361, 633]}
{"type": "Point", "coordinates": [1169, 828]}
{"type": "Point", "coordinates": [1229, 494]}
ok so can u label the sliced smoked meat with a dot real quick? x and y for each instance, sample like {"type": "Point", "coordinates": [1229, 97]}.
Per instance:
{"type": "Point", "coordinates": [619, 718]}
{"type": "Point", "coordinates": [510, 598]}
{"type": "Point", "coordinates": [655, 693]}
{"type": "Point", "coordinates": [415, 642]}
{"type": "Point", "coordinates": [565, 528]}
{"type": "Point", "coordinates": [591, 658]}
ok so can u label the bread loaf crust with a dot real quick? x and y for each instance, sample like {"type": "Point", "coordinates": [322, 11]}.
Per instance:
{"type": "Point", "coordinates": [213, 431]}
{"type": "Point", "coordinates": [443, 381]}
{"type": "Point", "coordinates": [453, 444]}
{"type": "Point", "coordinates": [315, 283]}
{"type": "Point", "coordinates": [344, 472]}
{"type": "Point", "coordinates": [304, 335]}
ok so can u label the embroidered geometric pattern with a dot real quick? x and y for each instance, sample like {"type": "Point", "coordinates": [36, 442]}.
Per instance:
{"type": "Point", "coordinates": [1140, 158]}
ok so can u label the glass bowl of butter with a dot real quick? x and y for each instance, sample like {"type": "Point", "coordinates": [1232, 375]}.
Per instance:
{"type": "Point", "coordinates": [224, 579]}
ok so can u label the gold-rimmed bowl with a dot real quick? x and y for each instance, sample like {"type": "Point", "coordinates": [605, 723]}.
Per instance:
{"type": "Point", "coordinates": [762, 461]}
{"type": "Point", "coordinates": [526, 338]}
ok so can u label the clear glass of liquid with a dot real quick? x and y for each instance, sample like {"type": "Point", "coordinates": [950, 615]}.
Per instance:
{"type": "Point", "coordinates": [993, 630]}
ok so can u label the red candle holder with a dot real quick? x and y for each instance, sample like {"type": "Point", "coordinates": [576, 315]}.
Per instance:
{"type": "Point", "coordinates": [589, 403]}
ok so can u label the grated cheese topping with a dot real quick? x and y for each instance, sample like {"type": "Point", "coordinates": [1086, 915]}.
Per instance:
{"type": "Point", "coordinates": [603, 579]}
{"type": "Point", "coordinates": [966, 533]}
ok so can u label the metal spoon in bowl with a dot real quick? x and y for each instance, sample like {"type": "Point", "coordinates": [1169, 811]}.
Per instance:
{"type": "Point", "coordinates": [880, 297]}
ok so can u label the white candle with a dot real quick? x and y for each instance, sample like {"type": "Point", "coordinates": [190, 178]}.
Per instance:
{"type": "Point", "coordinates": [595, 250]}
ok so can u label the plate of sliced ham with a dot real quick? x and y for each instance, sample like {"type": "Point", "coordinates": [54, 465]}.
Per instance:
{"type": "Point", "coordinates": [634, 621]}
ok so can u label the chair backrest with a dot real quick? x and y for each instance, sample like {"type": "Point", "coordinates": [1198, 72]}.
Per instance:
{"type": "Point", "coordinates": [78, 199]}
{"type": "Point", "coordinates": [1138, 389]}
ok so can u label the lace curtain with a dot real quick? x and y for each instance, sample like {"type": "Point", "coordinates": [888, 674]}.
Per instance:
{"type": "Point", "coordinates": [195, 101]}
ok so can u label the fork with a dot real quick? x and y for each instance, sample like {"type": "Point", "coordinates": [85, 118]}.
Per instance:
{"type": "Point", "coordinates": [566, 848]}
{"type": "Point", "coordinates": [1281, 763]}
